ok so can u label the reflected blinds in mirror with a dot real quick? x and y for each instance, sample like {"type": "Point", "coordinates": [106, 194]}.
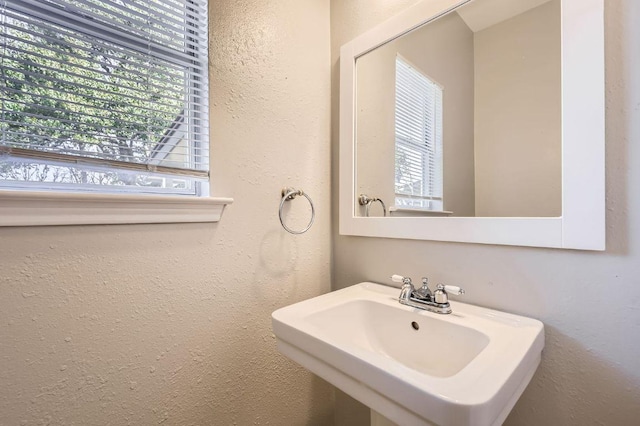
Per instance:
{"type": "Point", "coordinates": [418, 139]}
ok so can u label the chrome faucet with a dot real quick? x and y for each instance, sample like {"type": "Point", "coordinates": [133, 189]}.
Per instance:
{"type": "Point", "coordinates": [423, 298]}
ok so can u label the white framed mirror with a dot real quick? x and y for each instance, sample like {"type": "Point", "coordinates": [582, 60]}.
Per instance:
{"type": "Point", "coordinates": [476, 121]}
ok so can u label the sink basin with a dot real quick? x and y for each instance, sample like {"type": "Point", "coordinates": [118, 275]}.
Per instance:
{"type": "Point", "coordinates": [412, 366]}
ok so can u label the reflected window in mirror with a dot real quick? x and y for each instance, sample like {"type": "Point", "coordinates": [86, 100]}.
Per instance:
{"type": "Point", "coordinates": [523, 124]}
{"type": "Point", "coordinates": [418, 137]}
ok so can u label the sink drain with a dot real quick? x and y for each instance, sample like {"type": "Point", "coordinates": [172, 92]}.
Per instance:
{"type": "Point", "coordinates": [415, 325]}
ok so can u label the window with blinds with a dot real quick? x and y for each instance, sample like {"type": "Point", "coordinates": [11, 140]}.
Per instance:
{"type": "Point", "coordinates": [104, 95]}
{"type": "Point", "coordinates": [418, 134]}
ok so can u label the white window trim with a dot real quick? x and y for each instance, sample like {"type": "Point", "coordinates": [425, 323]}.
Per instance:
{"type": "Point", "coordinates": [31, 208]}
{"type": "Point", "coordinates": [45, 208]}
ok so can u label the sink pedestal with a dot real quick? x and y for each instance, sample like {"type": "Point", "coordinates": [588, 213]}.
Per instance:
{"type": "Point", "coordinates": [378, 419]}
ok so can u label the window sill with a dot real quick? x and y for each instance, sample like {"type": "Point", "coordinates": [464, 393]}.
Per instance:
{"type": "Point", "coordinates": [406, 211]}
{"type": "Point", "coordinates": [50, 208]}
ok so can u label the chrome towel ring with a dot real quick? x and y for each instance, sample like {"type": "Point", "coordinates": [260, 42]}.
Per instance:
{"type": "Point", "coordinates": [365, 200]}
{"type": "Point", "coordinates": [289, 194]}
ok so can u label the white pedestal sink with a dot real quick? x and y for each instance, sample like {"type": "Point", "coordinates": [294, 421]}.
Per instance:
{"type": "Point", "coordinates": [411, 366]}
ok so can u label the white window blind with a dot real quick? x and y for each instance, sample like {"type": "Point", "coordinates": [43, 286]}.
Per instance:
{"type": "Point", "coordinates": [104, 95]}
{"type": "Point", "coordinates": [418, 134]}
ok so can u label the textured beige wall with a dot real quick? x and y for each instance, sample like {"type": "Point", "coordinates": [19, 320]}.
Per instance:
{"type": "Point", "coordinates": [170, 324]}
{"type": "Point", "coordinates": [588, 301]}
{"type": "Point", "coordinates": [518, 115]}
{"type": "Point", "coordinates": [450, 64]}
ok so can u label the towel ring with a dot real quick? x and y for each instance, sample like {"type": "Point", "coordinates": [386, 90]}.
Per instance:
{"type": "Point", "coordinates": [289, 194]}
{"type": "Point", "coordinates": [365, 200]}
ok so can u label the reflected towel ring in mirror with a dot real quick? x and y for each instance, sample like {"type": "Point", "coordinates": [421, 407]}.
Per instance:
{"type": "Point", "coordinates": [289, 194]}
{"type": "Point", "coordinates": [365, 200]}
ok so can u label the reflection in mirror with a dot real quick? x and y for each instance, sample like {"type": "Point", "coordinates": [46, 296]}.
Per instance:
{"type": "Point", "coordinates": [462, 116]}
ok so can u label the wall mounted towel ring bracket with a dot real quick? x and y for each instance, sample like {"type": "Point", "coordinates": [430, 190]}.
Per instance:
{"type": "Point", "coordinates": [289, 194]}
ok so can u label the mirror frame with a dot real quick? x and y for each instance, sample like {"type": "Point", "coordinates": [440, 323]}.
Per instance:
{"type": "Point", "coordinates": [582, 224]}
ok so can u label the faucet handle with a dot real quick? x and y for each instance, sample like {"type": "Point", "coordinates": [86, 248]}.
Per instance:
{"type": "Point", "coordinates": [407, 287]}
{"type": "Point", "coordinates": [453, 289]}
{"type": "Point", "coordinates": [401, 279]}
{"type": "Point", "coordinates": [441, 295]}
